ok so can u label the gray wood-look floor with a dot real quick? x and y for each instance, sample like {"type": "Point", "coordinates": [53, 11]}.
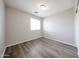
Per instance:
{"type": "Point", "coordinates": [41, 48]}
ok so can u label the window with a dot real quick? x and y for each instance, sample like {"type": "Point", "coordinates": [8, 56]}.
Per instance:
{"type": "Point", "coordinates": [35, 24]}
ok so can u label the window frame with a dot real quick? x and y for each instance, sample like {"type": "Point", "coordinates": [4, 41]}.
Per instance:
{"type": "Point", "coordinates": [38, 26]}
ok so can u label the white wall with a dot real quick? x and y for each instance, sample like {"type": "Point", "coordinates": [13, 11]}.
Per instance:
{"type": "Point", "coordinates": [2, 28]}
{"type": "Point", "coordinates": [77, 29]}
{"type": "Point", "coordinates": [18, 27]}
{"type": "Point", "coordinates": [60, 27]}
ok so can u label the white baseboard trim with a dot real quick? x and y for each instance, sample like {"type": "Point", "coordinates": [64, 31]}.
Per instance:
{"type": "Point", "coordinates": [3, 53]}
{"type": "Point", "coordinates": [62, 42]}
{"type": "Point", "coordinates": [22, 42]}
{"type": "Point", "coordinates": [37, 38]}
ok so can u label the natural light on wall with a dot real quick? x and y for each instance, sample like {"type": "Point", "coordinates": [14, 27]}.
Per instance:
{"type": "Point", "coordinates": [35, 24]}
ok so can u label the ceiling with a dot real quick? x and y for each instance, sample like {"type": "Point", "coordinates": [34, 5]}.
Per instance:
{"type": "Point", "coordinates": [31, 6]}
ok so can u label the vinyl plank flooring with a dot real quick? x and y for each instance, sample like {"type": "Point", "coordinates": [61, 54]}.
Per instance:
{"type": "Point", "coordinates": [41, 48]}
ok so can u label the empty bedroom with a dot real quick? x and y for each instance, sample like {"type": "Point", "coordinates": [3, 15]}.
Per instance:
{"type": "Point", "coordinates": [39, 28]}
